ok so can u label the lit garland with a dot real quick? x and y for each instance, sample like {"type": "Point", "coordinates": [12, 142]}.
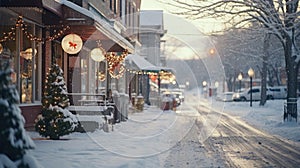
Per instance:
{"type": "Point", "coordinates": [120, 72]}
{"type": "Point", "coordinates": [11, 35]}
{"type": "Point", "coordinates": [139, 72]}
{"type": "Point", "coordinates": [114, 62]}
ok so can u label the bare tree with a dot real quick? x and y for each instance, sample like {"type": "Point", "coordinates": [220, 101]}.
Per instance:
{"type": "Point", "coordinates": [239, 50]}
{"type": "Point", "coordinates": [278, 17]}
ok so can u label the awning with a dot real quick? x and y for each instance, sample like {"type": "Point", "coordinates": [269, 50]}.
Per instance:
{"type": "Point", "coordinates": [92, 27]}
{"type": "Point", "coordinates": [21, 3]}
{"type": "Point", "coordinates": [140, 63]}
{"type": "Point", "coordinates": [47, 4]}
{"type": "Point", "coordinates": [40, 11]}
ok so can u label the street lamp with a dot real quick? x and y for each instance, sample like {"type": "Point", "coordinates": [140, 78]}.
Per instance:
{"type": "Point", "coordinates": [240, 77]}
{"type": "Point", "coordinates": [97, 55]}
{"type": "Point", "coordinates": [251, 74]}
{"type": "Point", "coordinates": [204, 90]}
{"type": "Point", "coordinates": [204, 83]}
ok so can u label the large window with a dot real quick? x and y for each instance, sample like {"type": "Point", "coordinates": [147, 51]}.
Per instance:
{"type": "Point", "coordinates": [24, 53]}
{"type": "Point", "coordinates": [29, 63]}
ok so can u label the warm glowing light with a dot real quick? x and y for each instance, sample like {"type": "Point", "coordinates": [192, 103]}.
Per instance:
{"type": "Point", "coordinates": [251, 72]}
{"type": "Point", "coordinates": [28, 53]}
{"type": "Point", "coordinates": [212, 51]}
{"type": "Point", "coordinates": [216, 84]}
{"type": "Point", "coordinates": [240, 77]}
{"type": "Point", "coordinates": [71, 43]}
{"type": "Point", "coordinates": [97, 54]}
{"type": "Point", "coordinates": [23, 97]}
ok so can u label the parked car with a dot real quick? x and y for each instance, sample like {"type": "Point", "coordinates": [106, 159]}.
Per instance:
{"type": "Point", "coordinates": [226, 96]}
{"type": "Point", "coordinates": [278, 92]}
{"type": "Point", "coordinates": [174, 97]}
{"type": "Point", "coordinates": [256, 94]}
{"type": "Point", "coordinates": [179, 94]}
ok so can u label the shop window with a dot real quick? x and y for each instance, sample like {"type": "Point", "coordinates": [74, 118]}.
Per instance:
{"type": "Point", "coordinates": [28, 64]}
{"type": "Point", "coordinates": [24, 55]}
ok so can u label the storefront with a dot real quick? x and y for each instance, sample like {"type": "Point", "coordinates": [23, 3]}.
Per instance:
{"type": "Point", "coordinates": [20, 45]}
{"type": "Point", "coordinates": [25, 43]}
{"type": "Point", "coordinates": [31, 38]}
{"type": "Point", "coordinates": [85, 74]}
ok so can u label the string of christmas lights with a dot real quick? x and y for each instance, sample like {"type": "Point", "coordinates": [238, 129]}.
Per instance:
{"type": "Point", "coordinates": [11, 35]}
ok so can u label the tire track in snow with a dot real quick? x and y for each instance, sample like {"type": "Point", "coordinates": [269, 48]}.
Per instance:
{"type": "Point", "coordinates": [245, 146]}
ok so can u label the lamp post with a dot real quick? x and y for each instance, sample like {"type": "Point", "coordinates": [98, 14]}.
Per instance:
{"type": "Point", "coordinates": [204, 89]}
{"type": "Point", "coordinates": [240, 77]}
{"type": "Point", "coordinates": [97, 55]}
{"type": "Point", "coordinates": [251, 74]}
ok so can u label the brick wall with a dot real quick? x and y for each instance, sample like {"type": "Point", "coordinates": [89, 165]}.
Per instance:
{"type": "Point", "coordinates": [30, 113]}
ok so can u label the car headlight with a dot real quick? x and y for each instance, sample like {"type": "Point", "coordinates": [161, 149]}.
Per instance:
{"type": "Point", "coordinates": [236, 96]}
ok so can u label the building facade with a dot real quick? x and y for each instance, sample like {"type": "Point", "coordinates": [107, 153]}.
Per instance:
{"type": "Point", "coordinates": [151, 32]}
{"type": "Point", "coordinates": [31, 39]}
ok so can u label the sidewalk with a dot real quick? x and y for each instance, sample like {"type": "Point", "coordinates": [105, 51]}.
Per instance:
{"type": "Point", "coordinates": [142, 141]}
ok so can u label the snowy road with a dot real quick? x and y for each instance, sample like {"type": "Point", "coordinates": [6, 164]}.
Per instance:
{"type": "Point", "coordinates": [231, 143]}
{"type": "Point", "coordinates": [195, 136]}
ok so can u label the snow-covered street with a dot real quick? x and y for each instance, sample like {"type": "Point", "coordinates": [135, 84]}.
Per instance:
{"type": "Point", "coordinates": [193, 136]}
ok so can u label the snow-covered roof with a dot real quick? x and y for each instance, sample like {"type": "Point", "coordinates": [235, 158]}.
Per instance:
{"type": "Point", "coordinates": [141, 63]}
{"type": "Point", "coordinates": [151, 18]}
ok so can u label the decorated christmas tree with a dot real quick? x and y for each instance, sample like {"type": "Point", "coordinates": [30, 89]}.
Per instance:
{"type": "Point", "coordinates": [14, 142]}
{"type": "Point", "coordinates": [55, 120]}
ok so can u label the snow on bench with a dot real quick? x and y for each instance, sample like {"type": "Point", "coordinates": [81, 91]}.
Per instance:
{"type": "Point", "coordinates": [93, 117]}
{"type": "Point", "coordinates": [92, 110]}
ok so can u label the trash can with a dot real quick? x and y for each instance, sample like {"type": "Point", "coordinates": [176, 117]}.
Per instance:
{"type": "Point", "coordinates": [133, 95]}
{"type": "Point", "coordinates": [212, 92]}
{"type": "Point", "coordinates": [166, 103]}
{"type": "Point", "coordinates": [140, 103]}
{"type": "Point", "coordinates": [174, 104]}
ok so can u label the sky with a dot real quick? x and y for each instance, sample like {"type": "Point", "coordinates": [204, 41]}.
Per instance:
{"type": "Point", "coordinates": [204, 25]}
{"type": "Point", "coordinates": [192, 36]}
{"type": "Point", "coordinates": [146, 139]}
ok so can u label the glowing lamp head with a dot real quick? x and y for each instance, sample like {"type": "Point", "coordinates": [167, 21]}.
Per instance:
{"type": "Point", "coordinates": [251, 72]}
{"type": "Point", "coordinates": [97, 55]}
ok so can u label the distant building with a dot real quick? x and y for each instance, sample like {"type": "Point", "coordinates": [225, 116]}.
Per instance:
{"type": "Point", "coordinates": [151, 32]}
